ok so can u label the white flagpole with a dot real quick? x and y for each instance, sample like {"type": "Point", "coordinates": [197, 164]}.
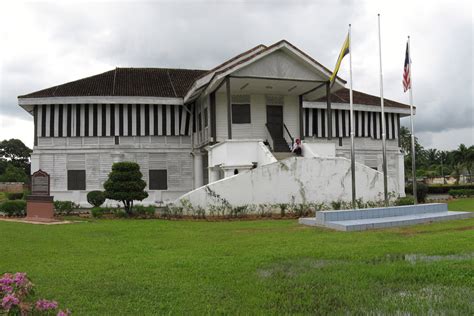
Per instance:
{"type": "Point", "coordinates": [352, 124]}
{"type": "Point", "coordinates": [384, 136]}
{"type": "Point", "coordinates": [412, 119]}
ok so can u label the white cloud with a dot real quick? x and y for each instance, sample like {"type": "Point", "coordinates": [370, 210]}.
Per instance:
{"type": "Point", "coordinates": [49, 43]}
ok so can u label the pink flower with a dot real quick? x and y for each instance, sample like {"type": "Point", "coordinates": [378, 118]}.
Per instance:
{"type": "Point", "coordinates": [20, 278]}
{"type": "Point", "coordinates": [6, 279]}
{"type": "Point", "coordinates": [67, 312]}
{"type": "Point", "coordinates": [8, 301]}
{"type": "Point", "coordinates": [44, 305]}
{"type": "Point", "coordinates": [6, 288]}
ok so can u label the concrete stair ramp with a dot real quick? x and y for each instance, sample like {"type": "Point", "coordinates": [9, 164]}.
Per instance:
{"type": "Point", "coordinates": [384, 217]}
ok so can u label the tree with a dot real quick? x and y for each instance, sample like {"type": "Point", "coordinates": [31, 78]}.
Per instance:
{"type": "Point", "coordinates": [125, 184]}
{"type": "Point", "coordinates": [13, 174]}
{"type": "Point", "coordinates": [464, 156]}
{"type": "Point", "coordinates": [17, 153]}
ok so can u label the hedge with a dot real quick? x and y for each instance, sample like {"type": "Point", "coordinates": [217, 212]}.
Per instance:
{"type": "Point", "coordinates": [421, 191]}
{"type": "Point", "coordinates": [13, 208]}
{"type": "Point", "coordinates": [15, 196]}
{"type": "Point", "coordinates": [444, 189]}
{"type": "Point", "coordinates": [461, 192]}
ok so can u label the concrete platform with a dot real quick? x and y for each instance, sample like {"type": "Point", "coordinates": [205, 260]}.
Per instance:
{"type": "Point", "coordinates": [364, 219]}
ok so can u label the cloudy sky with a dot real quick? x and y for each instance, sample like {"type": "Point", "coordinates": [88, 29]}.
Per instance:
{"type": "Point", "coordinates": [48, 43]}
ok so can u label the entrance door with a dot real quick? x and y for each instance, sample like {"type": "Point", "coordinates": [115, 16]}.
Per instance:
{"type": "Point", "coordinates": [275, 120]}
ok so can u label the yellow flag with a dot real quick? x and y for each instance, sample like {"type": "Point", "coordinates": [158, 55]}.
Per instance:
{"type": "Point", "coordinates": [344, 52]}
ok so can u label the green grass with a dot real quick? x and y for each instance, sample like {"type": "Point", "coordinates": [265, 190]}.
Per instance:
{"type": "Point", "coordinates": [462, 205]}
{"type": "Point", "coordinates": [140, 267]}
{"type": "Point", "coordinates": [3, 197]}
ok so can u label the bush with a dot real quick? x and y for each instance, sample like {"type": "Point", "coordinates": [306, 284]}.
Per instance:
{"type": "Point", "coordinates": [143, 211]}
{"type": "Point", "coordinates": [421, 191]}
{"type": "Point", "coordinates": [15, 196]}
{"type": "Point", "coordinates": [408, 200]}
{"type": "Point", "coordinates": [461, 192]}
{"type": "Point", "coordinates": [13, 208]}
{"type": "Point", "coordinates": [64, 207]}
{"type": "Point", "coordinates": [98, 212]}
{"type": "Point", "coordinates": [444, 189]}
{"type": "Point", "coordinates": [125, 184]}
{"type": "Point", "coordinates": [96, 198]}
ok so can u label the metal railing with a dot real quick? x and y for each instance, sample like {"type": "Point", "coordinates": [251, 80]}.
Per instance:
{"type": "Point", "coordinates": [269, 137]}
{"type": "Point", "coordinates": [289, 135]}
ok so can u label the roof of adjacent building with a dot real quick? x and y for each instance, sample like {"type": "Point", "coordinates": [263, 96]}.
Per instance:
{"type": "Point", "coordinates": [145, 82]}
{"type": "Point", "coordinates": [343, 96]}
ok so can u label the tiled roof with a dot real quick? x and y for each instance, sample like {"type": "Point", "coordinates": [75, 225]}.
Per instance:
{"type": "Point", "coordinates": [342, 96]}
{"type": "Point", "coordinates": [146, 82]}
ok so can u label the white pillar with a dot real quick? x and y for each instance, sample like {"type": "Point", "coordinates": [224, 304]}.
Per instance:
{"type": "Point", "coordinates": [213, 174]}
{"type": "Point", "coordinates": [198, 172]}
{"type": "Point", "coordinates": [401, 174]}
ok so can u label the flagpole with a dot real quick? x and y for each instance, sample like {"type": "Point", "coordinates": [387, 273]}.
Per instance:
{"type": "Point", "coordinates": [413, 164]}
{"type": "Point", "coordinates": [352, 124]}
{"type": "Point", "coordinates": [384, 136]}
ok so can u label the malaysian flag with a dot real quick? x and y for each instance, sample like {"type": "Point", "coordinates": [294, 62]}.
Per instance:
{"type": "Point", "coordinates": [406, 71]}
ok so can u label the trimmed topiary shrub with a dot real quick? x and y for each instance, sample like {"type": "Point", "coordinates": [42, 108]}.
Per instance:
{"type": "Point", "coordinates": [96, 198]}
{"type": "Point", "coordinates": [13, 208]}
{"type": "Point", "coordinates": [15, 196]}
{"type": "Point", "coordinates": [125, 184]}
{"type": "Point", "coordinates": [421, 191]}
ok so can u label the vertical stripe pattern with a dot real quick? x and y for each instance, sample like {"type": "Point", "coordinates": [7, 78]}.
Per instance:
{"type": "Point", "coordinates": [71, 120]}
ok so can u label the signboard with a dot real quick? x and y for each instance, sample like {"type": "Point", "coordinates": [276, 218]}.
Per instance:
{"type": "Point", "coordinates": [40, 183]}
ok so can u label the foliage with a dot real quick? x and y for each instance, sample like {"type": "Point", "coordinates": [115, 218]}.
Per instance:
{"type": "Point", "coordinates": [144, 211]}
{"type": "Point", "coordinates": [96, 198]}
{"type": "Point", "coordinates": [421, 191]}
{"type": "Point", "coordinates": [14, 174]}
{"type": "Point", "coordinates": [461, 192]}
{"type": "Point", "coordinates": [13, 208]}
{"type": "Point", "coordinates": [15, 196]}
{"type": "Point", "coordinates": [125, 184]}
{"type": "Point", "coordinates": [64, 207]}
{"type": "Point", "coordinates": [98, 212]}
{"type": "Point", "coordinates": [407, 200]}
{"type": "Point", "coordinates": [16, 291]}
{"type": "Point", "coordinates": [444, 189]}
{"type": "Point", "coordinates": [16, 153]}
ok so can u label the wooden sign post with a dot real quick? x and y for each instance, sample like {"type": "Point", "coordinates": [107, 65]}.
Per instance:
{"type": "Point", "coordinates": [39, 205]}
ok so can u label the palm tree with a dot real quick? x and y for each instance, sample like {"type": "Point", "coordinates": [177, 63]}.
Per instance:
{"type": "Point", "coordinates": [464, 156]}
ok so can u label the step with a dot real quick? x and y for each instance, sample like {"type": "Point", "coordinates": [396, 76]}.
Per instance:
{"type": "Point", "coordinates": [385, 222]}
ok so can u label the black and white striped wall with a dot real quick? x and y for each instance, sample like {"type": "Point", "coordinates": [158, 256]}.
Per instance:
{"type": "Point", "coordinates": [367, 124]}
{"type": "Point", "coordinates": [71, 120]}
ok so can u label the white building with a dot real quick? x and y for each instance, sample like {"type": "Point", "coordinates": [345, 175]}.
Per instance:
{"type": "Point", "coordinates": [187, 128]}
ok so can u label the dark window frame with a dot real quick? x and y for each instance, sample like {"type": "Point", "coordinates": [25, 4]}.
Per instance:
{"type": "Point", "coordinates": [155, 184]}
{"type": "Point", "coordinates": [75, 181]}
{"type": "Point", "coordinates": [241, 117]}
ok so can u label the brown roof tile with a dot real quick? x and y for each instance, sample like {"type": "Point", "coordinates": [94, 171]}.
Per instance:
{"type": "Point", "coordinates": [147, 82]}
{"type": "Point", "coordinates": [342, 96]}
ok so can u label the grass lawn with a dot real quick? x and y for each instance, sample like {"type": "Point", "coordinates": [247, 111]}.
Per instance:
{"type": "Point", "coordinates": [139, 267]}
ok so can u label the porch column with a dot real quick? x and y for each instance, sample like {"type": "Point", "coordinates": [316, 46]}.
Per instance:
{"type": "Point", "coordinates": [300, 112]}
{"type": "Point", "coordinates": [229, 109]}
{"type": "Point", "coordinates": [213, 117]}
{"type": "Point", "coordinates": [329, 111]}
{"type": "Point", "coordinates": [198, 176]}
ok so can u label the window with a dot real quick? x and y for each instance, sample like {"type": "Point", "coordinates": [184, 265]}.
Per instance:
{"type": "Point", "coordinates": [206, 119]}
{"type": "Point", "coordinates": [76, 179]}
{"type": "Point", "coordinates": [158, 180]}
{"type": "Point", "coordinates": [240, 113]}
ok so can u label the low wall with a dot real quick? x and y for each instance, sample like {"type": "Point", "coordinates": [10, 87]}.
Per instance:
{"type": "Point", "coordinates": [294, 180]}
{"type": "Point", "coordinates": [12, 187]}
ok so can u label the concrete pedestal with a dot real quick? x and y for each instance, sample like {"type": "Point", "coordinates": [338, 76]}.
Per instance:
{"type": "Point", "coordinates": [39, 208]}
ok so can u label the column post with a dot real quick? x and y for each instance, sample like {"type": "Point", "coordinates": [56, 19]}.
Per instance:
{"type": "Point", "coordinates": [229, 109]}
{"type": "Point", "coordinates": [329, 110]}
{"type": "Point", "coordinates": [198, 171]}
{"type": "Point", "coordinates": [300, 112]}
